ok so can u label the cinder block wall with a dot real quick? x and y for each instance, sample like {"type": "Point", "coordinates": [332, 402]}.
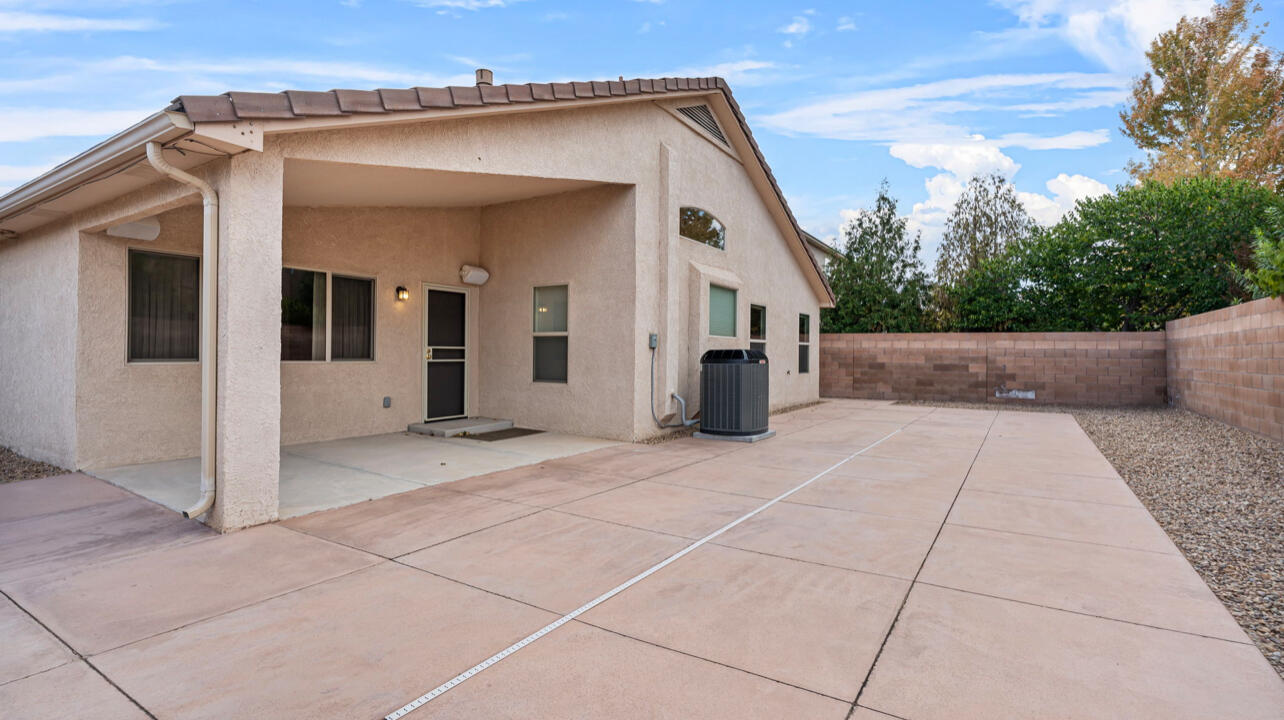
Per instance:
{"type": "Point", "coordinates": [1229, 364]}
{"type": "Point", "coordinates": [1058, 368]}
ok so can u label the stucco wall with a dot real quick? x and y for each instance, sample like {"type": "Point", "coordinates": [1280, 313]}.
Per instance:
{"type": "Point", "coordinates": [583, 240]}
{"type": "Point", "coordinates": [37, 344]}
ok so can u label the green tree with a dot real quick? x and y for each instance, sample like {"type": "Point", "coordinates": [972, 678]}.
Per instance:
{"type": "Point", "coordinates": [1266, 277]}
{"type": "Point", "coordinates": [1212, 102]}
{"type": "Point", "coordinates": [879, 283]}
{"type": "Point", "coordinates": [1151, 253]}
{"type": "Point", "coordinates": [990, 297]}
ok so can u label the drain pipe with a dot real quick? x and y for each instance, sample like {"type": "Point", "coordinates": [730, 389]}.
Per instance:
{"type": "Point", "coordinates": [209, 320]}
{"type": "Point", "coordinates": [681, 403]}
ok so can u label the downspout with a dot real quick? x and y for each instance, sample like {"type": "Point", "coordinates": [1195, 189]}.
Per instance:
{"type": "Point", "coordinates": [209, 323]}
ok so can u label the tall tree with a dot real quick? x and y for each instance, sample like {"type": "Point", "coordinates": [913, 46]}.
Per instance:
{"type": "Point", "coordinates": [1212, 102]}
{"type": "Point", "coordinates": [879, 284]}
{"type": "Point", "coordinates": [987, 216]}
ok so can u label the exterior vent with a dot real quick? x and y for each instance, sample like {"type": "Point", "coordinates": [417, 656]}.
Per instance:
{"type": "Point", "coordinates": [700, 115]}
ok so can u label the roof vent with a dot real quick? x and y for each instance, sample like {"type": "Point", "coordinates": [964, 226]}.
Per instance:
{"type": "Point", "coordinates": [701, 115]}
{"type": "Point", "coordinates": [485, 77]}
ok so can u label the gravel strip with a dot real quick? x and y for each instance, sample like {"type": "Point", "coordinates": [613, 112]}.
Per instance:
{"type": "Point", "coordinates": [14, 467]}
{"type": "Point", "coordinates": [1219, 493]}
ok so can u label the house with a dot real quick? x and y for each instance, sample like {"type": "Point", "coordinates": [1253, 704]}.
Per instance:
{"type": "Point", "coordinates": [352, 262]}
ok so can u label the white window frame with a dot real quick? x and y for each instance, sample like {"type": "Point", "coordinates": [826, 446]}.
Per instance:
{"type": "Point", "coordinates": [561, 333]}
{"type": "Point", "coordinates": [329, 315]}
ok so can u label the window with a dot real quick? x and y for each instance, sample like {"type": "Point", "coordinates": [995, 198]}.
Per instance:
{"type": "Point", "coordinates": [353, 321]}
{"type": "Point", "coordinates": [308, 299]}
{"type": "Point", "coordinates": [164, 306]}
{"type": "Point", "coordinates": [699, 225]}
{"type": "Point", "coordinates": [722, 311]}
{"type": "Point", "coordinates": [758, 328]}
{"type": "Point", "coordinates": [550, 335]}
{"type": "Point", "coordinates": [804, 344]}
{"type": "Point", "coordinates": [303, 309]}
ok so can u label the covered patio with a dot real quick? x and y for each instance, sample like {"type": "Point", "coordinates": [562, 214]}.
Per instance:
{"type": "Point", "coordinates": [871, 561]}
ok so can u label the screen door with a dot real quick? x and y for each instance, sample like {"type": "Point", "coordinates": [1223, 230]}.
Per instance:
{"type": "Point", "coordinates": [445, 354]}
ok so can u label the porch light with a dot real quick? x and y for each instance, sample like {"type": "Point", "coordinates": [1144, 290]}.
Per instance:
{"type": "Point", "coordinates": [402, 294]}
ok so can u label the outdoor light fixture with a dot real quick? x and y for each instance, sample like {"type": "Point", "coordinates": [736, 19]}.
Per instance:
{"type": "Point", "coordinates": [402, 294]}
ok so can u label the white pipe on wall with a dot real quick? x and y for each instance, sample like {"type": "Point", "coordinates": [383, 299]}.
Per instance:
{"type": "Point", "coordinates": [209, 326]}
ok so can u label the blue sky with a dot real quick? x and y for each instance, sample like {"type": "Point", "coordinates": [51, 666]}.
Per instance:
{"type": "Point", "coordinates": [839, 94]}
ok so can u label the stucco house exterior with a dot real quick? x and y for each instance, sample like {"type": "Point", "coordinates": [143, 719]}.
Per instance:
{"type": "Point", "coordinates": [250, 269]}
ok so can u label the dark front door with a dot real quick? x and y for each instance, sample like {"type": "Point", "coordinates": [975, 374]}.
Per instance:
{"type": "Point", "coordinates": [445, 354]}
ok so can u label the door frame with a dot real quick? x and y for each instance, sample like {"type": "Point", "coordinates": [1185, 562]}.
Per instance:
{"type": "Point", "coordinates": [470, 342]}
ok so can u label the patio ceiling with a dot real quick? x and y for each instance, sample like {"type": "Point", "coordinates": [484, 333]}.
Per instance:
{"type": "Point", "coordinates": [315, 183]}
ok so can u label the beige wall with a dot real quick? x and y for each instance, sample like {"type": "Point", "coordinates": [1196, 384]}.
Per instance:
{"type": "Point", "coordinates": [37, 344]}
{"type": "Point", "coordinates": [583, 240]}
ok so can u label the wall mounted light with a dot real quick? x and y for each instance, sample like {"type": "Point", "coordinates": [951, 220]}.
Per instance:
{"type": "Point", "coordinates": [402, 294]}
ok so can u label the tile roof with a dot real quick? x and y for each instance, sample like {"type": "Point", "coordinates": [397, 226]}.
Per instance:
{"type": "Point", "coordinates": [233, 106]}
{"type": "Point", "coordinates": [292, 104]}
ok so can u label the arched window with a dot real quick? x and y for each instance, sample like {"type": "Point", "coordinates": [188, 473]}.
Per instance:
{"type": "Point", "coordinates": [702, 226]}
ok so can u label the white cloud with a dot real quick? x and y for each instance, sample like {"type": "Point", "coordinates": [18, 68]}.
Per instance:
{"type": "Point", "coordinates": [1066, 190]}
{"type": "Point", "coordinates": [15, 22]}
{"type": "Point", "coordinates": [1076, 140]}
{"type": "Point", "coordinates": [745, 73]}
{"type": "Point", "coordinates": [962, 160]}
{"type": "Point", "coordinates": [21, 124]}
{"type": "Point", "coordinates": [846, 24]}
{"type": "Point", "coordinates": [472, 5]}
{"type": "Point", "coordinates": [278, 69]}
{"type": "Point", "coordinates": [800, 26]}
{"type": "Point", "coordinates": [1115, 33]}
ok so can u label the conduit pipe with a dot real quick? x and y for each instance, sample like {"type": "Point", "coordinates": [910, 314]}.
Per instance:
{"type": "Point", "coordinates": [209, 323]}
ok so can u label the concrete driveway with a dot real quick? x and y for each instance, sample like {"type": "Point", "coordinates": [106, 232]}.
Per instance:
{"type": "Point", "coordinates": [970, 564]}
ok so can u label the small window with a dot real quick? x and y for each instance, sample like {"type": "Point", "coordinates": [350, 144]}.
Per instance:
{"type": "Point", "coordinates": [164, 306]}
{"type": "Point", "coordinates": [804, 344]}
{"type": "Point", "coordinates": [303, 309]}
{"type": "Point", "coordinates": [550, 334]}
{"type": "Point", "coordinates": [699, 225]}
{"type": "Point", "coordinates": [758, 328]}
{"type": "Point", "coordinates": [722, 311]}
{"type": "Point", "coordinates": [353, 318]}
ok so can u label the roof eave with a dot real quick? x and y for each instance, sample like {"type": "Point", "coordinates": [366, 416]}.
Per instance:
{"type": "Point", "coordinates": [108, 156]}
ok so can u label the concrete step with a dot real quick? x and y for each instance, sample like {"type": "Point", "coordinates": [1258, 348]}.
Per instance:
{"type": "Point", "coordinates": [451, 428]}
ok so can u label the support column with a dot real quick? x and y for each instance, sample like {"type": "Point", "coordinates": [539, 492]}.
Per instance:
{"type": "Point", "coordinates": [249, 342]}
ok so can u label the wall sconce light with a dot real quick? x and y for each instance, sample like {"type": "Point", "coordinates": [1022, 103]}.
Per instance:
{"type": "Point", "coordinates": [402, 294]}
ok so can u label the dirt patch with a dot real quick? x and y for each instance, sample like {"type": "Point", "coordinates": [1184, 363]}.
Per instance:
{"type": "Point", "coordinates": [1217, 490]}
{"type": "Point", "coordinates": [14, 467]}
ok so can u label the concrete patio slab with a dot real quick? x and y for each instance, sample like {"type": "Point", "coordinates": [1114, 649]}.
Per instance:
{"type": "Point", "coordinates": [551, 560]}
{"type": "Point", "coordinates": [1016, 480]}
{"type": "Point", "coordinates": [839, 538]}
{"type": "Point", "coordinates": [1141, 587]}
{"type": "Point", "coordinates": [62, 541]}
{"type": "Point", "coordinates": [919, 469]}
{"type": "Point", "coordinates": [357, 646]}
{"type": "Point", "coordinates": [22, 500]}
{"type": "Point", "coordinates": [815, 627]}
{"type": "Point", "coordinates": [584, 672]}
{"type": "Point", "coordinates": [667, 509]}
{"type": "Point", "coordinates": [103, 606]}
{"type": "Point", "coordinates": [28, 648]}
{"type": "Point", "coordinates": [1127, 527]}
{"type": "Point", "coordinates": [73, 691]}
{"type": "Point", "coordinates": [897, 498]}
{"type": "Point", "coordinates": [781, 454]}
{"type": "Point", "coordinates": [400, 524]}
{"type": "Point", "coordinates": [955, 654]}
{"type": "Point", "coordinates": [630, 462]}
{"type": "Point", "coordinates": [544, 485]}
{"type": "Point", "coordinates": [725, 475]}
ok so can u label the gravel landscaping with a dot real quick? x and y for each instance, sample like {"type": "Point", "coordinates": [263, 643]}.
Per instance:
{"type": "Point", "coordinates": [14, 467]}
{"type": "Point", "coordinates": [1219, 493]}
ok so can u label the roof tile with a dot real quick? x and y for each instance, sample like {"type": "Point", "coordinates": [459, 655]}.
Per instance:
{"type": "Point", "coordinates": [582, 89]}
{"type": "Point", "coordinates": [519, 93]}
{"type": "Point", "coordinates": [543, 91]}
{"type": "Point", "coordinates": [261, 105]}
{"type": "Point", "coordinates": [399, 99]}
{"type": "Point", "coordinates": [305, 102]}
{"type": "Point", "coordinates": [617, 87]}
{"type": "Point", "coordinates": [563, 91]}
{"type": "Point", "coordinates": [467, 95]}
{"type": "Point", "coordinates": [359, 101]}
{"type": "Point", "coordinates": [632, 87]}
{"type": "Point", "coordinates": [433, 97]}
{"type": "Point", "coordinates": [600, 89]}
{"type": "Point", "coordinates": [208, 108]}
{"type": "Point", "coordinates": [494, 94]}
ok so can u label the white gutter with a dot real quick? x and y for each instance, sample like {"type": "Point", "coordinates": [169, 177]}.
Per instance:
{"type": "Point", "coordinates": [101, 160]}
{"type": "Point", "coordinates": [209, 320]}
